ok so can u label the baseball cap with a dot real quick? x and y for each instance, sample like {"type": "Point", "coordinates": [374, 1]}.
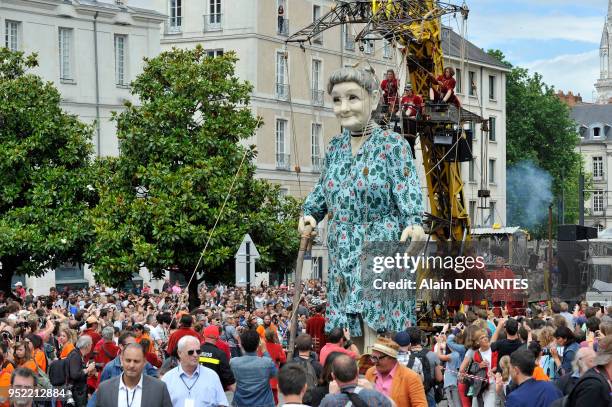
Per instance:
{"type": "Point", "coordinates": [402, 338]}
{"type": "Point", "coordinates": [211, 331]}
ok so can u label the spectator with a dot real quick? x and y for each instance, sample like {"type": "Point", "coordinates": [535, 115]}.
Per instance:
{"type": "Point", "coordinates": [538, 372]}
{"type": "Point", "coordinates": [339, 341]}
{"type": "Point", "coordinates": [78, 371]}
{"type": "Point", "coordinates": [292, 384]}
{"type": "Point", "coordinates": [281, 17]}
{"type": "Point", "coordinates": [114, 368]}
{"type": "Point", "coordinates": [150, 357]}
{"type": "Point", "coordinates": [565, 338]}
{"type": "Point", "coordinates": [453, 361]}
{"type": "Point", "coordinates": [184, 380]}
{"type": "Point", "coordinates": [214, 358]}
{"type": "Point", "coordinates": [267, 324]}
{"type": "Point", "coordinates": [252, 373]}
{"type": "Point", "coordinates": [6, 370]}
{"type": "Point", "coordinates": [482, 362]}
{"type": "Point", "coordinates": [403, 354]}
{"type": "Point", "coordinates": [315, 395]}
{"type": "Point", "coordinates": [23, 378]}
{"type": "Point", "coordinates": [594, 388]}
{"type": "Point", "coordinates": [185, 329]}
{"type": "Point", "coordinates": [512, 341]}
{"type": "Point", "coordinates": [348, 390]}
{"type": "Point", "coordinates": [142, 390]}
{"type": "Point", "coordinates": [36, 348]}
{"type": "Point", "coordinates": [584, 360]}
{"type": "Point", "coordinates": [158, 328]}
{"type": "Point", "coordinates": [92, 330]}
{"type": "Point", "coordinates": [530, 392]}
{"type": "Point", "coordinates": [432, 367]}
{"type": "Point", "coordinates": [141, 334]}
{"type": "Point", "coordinates": [569, 318]}
{"type": "Point", "coordinates": [176, 288]}
{"type": "Point", "coordinates": [22, 356]}
{"type": "Point", "coordinates": [105, 350]}
{"type": "Point", "coordinates": [393, 379]}
{"type": "Point", "coordinates": [66, 340]}
{"type": "Point", "coordinates": [278, 356]}
{"type": "Point", "coordinates": [315, 327]}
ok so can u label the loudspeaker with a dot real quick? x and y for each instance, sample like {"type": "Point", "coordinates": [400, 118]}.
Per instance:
{"type": "Point", "coordinates": [570, 233]}
{"type": "Point", "coordinates": [461, 151]}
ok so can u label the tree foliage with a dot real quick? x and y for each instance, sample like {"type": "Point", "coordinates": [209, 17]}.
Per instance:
{"type": "Point", "coordinates": [45, 177]}
{"type": "Point", "coordinates": [539, 129]}
{"type": "Point", "coordinates": [179, 152]}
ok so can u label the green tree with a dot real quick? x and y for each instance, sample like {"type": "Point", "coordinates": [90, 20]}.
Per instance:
{"type": "Point", "coordinates": [45, 190]}
{"type": "Point", "coordinates": [539, 129]}
{"type": "Point", "coordinates": [179, 152]}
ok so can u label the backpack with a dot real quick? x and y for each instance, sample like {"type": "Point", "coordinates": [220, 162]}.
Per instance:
{"type": "Point", "coordinates": [57, 372]}
{"type": "Point", "coordinates": [428, 379]}
{"type": "Point", "coordinates": [311, 375]}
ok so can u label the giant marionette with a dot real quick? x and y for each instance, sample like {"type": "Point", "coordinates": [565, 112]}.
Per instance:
{"type": "Point", "coordinates": [370, 192]}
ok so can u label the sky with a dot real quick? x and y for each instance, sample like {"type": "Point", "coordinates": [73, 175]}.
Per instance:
{"type": "Point", "coordinates": [557, 38]}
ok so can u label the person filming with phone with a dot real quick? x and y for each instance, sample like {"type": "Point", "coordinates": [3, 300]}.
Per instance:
{"type": "Point", "coordinates": [339, 340]}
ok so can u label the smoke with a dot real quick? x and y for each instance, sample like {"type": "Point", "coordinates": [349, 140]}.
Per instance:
{"type": "Point", "coordinates": [528, 194]}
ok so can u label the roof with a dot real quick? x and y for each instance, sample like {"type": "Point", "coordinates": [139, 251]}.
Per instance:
{"type": "Point", "coordinates": [451, 46]}
{"type": "Point", "coordinates": [587, 114]}
{"type": "Point", "coordinates": [496, 231]}
{"type": "Point", "coordinates": [112, 6]}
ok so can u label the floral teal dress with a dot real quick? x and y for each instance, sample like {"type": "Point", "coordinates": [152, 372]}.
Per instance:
{"type": "Point", "coordinates": [370, 197]}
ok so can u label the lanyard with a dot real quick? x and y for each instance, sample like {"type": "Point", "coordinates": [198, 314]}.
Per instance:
{"type": "Point", "coordinates": [193, 384]}
{"type": "Point", "coordinates": [127, 396]}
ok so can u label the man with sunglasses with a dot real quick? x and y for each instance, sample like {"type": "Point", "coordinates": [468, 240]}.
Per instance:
{"type": "Point", "coordinates": [190, 383]}
{"type": "Point", "coordinates": [400, 384]}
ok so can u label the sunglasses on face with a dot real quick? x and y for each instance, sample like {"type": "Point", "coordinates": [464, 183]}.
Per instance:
{"type": "Point", "coordinates": [376, 359]}
{"type": "Point", "coordinates": [192, 351]}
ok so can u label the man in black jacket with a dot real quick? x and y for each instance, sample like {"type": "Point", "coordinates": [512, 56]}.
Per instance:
{"type": "Point", "coordinates": [216, 359]}
{"type": "Point", "coordinates": [594, 388]}
{"type": "Point", "coordinates": [78, 371]}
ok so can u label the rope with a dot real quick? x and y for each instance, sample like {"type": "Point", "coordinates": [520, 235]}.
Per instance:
{"type": "Point", "coordinates": [466, 375]}
{"type": "Point", "coordinates": [298, 168]}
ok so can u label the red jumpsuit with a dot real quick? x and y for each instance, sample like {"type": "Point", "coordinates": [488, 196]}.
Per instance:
{"type": "Point", "coordinates": [389, 88]}
{"type": "Point", "coordinates": [445, 84]}
{"type": "Point", "coordinates": [412, 104]}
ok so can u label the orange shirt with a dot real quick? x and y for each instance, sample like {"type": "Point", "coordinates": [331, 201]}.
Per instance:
{"type": "Point", "coordinates": [261, 330]}
{"type": "Point", "coordinates": [147, 337]}
{"type": "Point", "coordinates": [30, 364]}
{"type": "Point", "coordinates": [68, 347]}
{"type": "Point", "coordinates": [538, 374]}
{"type": "Point", "coordinates": [5, 383]}
{"type": "Point", "coordinates": [40, 359]}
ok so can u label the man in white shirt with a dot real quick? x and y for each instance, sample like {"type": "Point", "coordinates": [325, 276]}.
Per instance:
{"type": "Point", "coordinates": [132, 388]}
{"type": "Point", "coordinates": [191, 384]}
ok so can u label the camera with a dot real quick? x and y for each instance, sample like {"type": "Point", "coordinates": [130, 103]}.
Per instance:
{"type": "Point", "coordinates": [545, 351]}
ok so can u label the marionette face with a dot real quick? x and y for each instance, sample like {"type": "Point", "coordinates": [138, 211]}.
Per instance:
{"type": "Point", "coordinates": [353, 105]}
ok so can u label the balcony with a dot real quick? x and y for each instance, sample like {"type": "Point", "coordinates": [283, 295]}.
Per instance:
{"type": "Point", "coordinates": [282, 27]}
{"type": "Point", "coordinates": [282, 91]}
{"type": "Point", "coordinates": [349, 43]}
{"type": "Point", "coordinates": [317, 163]}
{"type": "Point", "coordinates": [282, 161]}
{"type": "Point", "coordinates": [212, 22]}
{"type": "Point", "coordinates": [317, 97]}
{"type": "Point", "coordinates": [174, 25]}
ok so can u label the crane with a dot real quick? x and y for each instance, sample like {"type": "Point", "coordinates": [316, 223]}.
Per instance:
{"type": "Point", "coordinates": [414, 27]}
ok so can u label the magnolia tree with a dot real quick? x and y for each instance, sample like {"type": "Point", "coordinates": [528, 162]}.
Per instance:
{"type": "Point", "coordinates": [183, 179]}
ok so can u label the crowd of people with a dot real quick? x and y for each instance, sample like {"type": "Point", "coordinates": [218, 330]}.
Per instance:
{"type": "Point", "coordinates": [146, 348]}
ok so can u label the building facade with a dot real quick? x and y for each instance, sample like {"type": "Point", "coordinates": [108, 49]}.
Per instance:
{"type": "Point", "coordinates": [594, 125]}
{"type": "Point", "coordinates": [289, 91]}
{"type": "Point", "coordinates": [91, 51]}
{"type": "Point", "coordinates": [604, 83]}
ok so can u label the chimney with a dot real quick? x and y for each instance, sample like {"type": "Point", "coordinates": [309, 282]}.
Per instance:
{"type": "Point", "coordinates": [121, 2]}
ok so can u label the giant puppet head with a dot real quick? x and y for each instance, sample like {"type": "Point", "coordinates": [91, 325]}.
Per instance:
{"type": "Point", "coordinates": [355, 94]}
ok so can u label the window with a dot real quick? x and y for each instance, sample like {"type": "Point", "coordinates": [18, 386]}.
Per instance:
{"type": "Point", "coordinates": [491, 213]}
{"type": "Point", "coordinates": [316, 14]}
{"type": "Point", "coordinates": [315, 146]}
{"type": "Point", "coordinates": [596, 132]}
{"type": "Point", "coordinates": [491, 171]}
{"type": "Point", "coordinates": [598, 172]}
{"type": "Point", "coordinates": [472, 84]}
{"type": "Point", "coordinates": [368, 47]}
{"type": "Point", "coordinates": [212, 21]}
{"type": "Point", "coordinates": [214, 53]}
{"type": "Point", "coordinates": [282, 158]}
{"type": "Point", "coordinates": [598, 201]}
{"type": "Point", "coordinates": [176, 15]}
{"type": "Point", "coordinates": [473, 130]}
{"type": "Point", "coordinates": [386, 49]}
{"type": "Point", "coordinates": [600, 227]}
{"type": "Point", "coordinates": [471, 172]}
{"type": "Point", "coordinates": [472, 212]}
{"type": "Point", "coordinates": [491, 87]}
{"type": "Point", "coordinates": [492, 124]}
{"type": "Point", "coordinates": [459, 80]}
{"type": "Point", "coordinates": [282, 90]}
{"type": "Point", "coordinates": [317, 92]}
{"type": "Point", "coordinates": [65, 54]}
{"type": "Point", "coordinates": [11, 37]}
{"type": "Point", "coordinates": [120, 60]}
